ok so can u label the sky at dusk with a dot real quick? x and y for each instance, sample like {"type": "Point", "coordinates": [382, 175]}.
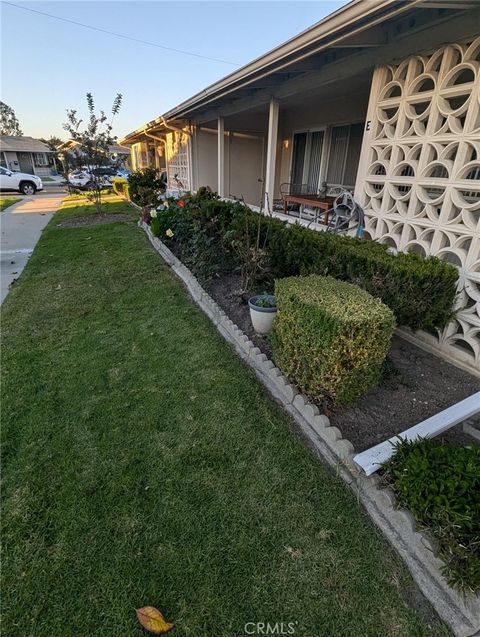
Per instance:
{"type": "Point", "coordinates": [48, 65]}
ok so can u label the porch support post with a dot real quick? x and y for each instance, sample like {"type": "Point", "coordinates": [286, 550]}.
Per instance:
{"type": "Point", "coordinates": [271, 155]}
{"type": "Point", "coordinates": [221, 156]}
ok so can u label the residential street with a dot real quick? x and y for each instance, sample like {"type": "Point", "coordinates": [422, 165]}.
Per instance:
{"type": "Point", "coordinates": [21, 226]}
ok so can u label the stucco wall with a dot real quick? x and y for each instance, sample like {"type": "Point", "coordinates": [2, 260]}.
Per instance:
{"type": "Point", "coordinates": [244, 163]}
{"type": "Point", "coordinates": [206, 169]}
{"type": "Point", "coordinates": [246, 166]}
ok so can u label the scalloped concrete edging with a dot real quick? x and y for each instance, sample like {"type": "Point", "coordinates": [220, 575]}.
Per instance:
{"type": "Point", "coordinates": [397, 525]}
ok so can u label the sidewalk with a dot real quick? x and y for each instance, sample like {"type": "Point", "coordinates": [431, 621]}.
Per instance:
{"type": "Point", "coordinates": [21, 226]}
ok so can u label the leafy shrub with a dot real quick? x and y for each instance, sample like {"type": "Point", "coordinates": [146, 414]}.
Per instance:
{"type": "Point", "coordinates": [200, 224]}
{"type": "Point", "coordinates": [174, 217]}
{"type": "Point", "coordinates": [145, 187]}
{"type": "Point", "coordinates": [215, 236]}
{"type": "Point", "coordinates": [120, 187]}
{"type": "Point", "coordinates": [420, 291]}
{"type": "Point", "coordinates": [330, 337]}
{"type": "Point", "coordinates": [440, 484]}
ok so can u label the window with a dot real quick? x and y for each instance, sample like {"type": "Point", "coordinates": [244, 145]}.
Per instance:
{"type": "Point", "coordinates": [344, 155]}
{"type": "Point", "coordinates": [40, 159]}
{"type": "Point", "coordinates": [307, 161]}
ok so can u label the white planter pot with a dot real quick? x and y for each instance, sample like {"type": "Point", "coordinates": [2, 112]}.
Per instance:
{"type": "Point", "coordinates": [262, 317]}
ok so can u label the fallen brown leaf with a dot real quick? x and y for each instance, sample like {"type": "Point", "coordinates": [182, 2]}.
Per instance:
{"type": "Point", "coordinates": [153, 620]}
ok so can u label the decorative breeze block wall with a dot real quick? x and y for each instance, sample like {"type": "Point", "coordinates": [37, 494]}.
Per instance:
{"type": "Point", "coordinates": [177, 159]}
{"type": "Point", "coordinates": [419, 178]}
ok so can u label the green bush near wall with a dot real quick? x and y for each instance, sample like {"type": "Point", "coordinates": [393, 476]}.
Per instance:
{"type": "Point", "coordinates": [330, 337]}
{"type": "Point", "coordinates": [420, 291]}
{"type": "Point", "coordinates": [144, 187]}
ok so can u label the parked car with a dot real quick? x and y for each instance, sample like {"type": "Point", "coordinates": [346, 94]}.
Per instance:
{"type": "Point", "coordinates": [123, 172]}
{"type": "Point", "coordinates": [21, 182]}
{"type": "Point", "coordinates": [84, 178]}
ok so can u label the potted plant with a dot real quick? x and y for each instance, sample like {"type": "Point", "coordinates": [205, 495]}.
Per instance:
{"type": "Point", "coordinates": [263, 309]}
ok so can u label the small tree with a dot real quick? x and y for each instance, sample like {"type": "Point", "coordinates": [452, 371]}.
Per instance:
{"type": "Point", "coordinates": [9, 124]}
{"type": "Point", "coordinates": [94, 141]}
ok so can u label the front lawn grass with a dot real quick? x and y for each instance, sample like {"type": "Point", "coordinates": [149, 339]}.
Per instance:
{"type": "Point", "coordinates": [82, 208]}
{"type": "Point", "coordinates": [6, 202]}
{"type": "Point", "coordinates": [143, 464]}
{"type": "Point", "coordinates": [83, 195]}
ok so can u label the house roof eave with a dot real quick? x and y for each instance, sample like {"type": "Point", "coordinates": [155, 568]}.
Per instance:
{"type": "Point", "coordinates": [323, 33]}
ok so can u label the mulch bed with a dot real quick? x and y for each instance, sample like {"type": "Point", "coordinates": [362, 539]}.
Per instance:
{"type": "Point", "coordinates": [93, 220]}
{"type": "Point", "coordinates": [415, 386]}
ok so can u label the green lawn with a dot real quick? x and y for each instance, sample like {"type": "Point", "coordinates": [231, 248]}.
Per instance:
{"type": "Point", "coordinates": [47, 179]}
{"type": "Point", "coordinates": [143, 464]}
{"type": "Point", "coordinates": [6, 202]}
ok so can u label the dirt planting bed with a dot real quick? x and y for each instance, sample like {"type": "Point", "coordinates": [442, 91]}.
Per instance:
{"type": "Point", "coordinates": [92, 220]}
{"type": "Point", "coordinates": [415, 384]}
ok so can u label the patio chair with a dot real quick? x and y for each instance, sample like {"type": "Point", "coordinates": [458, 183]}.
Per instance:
{"type": "Point", "coordinates": [343, 214]}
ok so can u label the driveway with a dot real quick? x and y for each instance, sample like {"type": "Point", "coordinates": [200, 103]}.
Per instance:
{"type": "Point", "coordinates": [21, 226]}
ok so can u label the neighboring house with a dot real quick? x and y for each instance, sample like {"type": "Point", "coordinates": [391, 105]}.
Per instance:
{"type": "Point", "coordinates": [26, 155]}
{"type": "Point", "coordinates": [381, 97]}
{"type": "Point", "coordinates": [117, 153]}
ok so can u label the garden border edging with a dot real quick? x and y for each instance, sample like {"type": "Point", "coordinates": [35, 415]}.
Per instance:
{"type": "Point", "coordinates": [398, 525]}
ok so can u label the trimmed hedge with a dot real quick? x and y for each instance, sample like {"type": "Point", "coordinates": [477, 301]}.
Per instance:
{"type": "Point", "coordinates": [440, 484]}
{"type": "Point", "coordinates": [420, 291]}
{"type": "Point", "coordinates": [330, 337]}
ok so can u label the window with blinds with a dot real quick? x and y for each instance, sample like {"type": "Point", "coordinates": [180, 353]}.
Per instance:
{"type": "Point", "coordinates": [344, 155]}
{"type": "Point", "coordinates": [307, 162]}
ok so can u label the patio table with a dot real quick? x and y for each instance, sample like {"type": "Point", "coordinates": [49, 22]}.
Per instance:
{"type": "Point", "coordinates": [312, 201]}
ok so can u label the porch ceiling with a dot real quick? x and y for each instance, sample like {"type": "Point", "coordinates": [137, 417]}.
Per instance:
{"type": "Point", "coordinates": [255, 119]}
{"type": "Point", "coordinates": [347, 87]}
{"type": "Point", "coordinates": [352, 55]}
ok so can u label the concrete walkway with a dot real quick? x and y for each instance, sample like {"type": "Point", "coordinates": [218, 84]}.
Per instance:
{"type": "Point", "coordinates": [21, 226]}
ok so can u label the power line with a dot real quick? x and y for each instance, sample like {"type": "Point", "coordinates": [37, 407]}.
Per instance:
{"type": "Point", "coordinates": [120, 35]}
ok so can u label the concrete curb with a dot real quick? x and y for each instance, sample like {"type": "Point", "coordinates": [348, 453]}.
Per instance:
{"type": "Point", "coordinates": [398, 525]}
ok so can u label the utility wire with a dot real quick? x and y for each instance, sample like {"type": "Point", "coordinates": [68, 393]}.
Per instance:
{"type": "Point", "coordinates": [120, 35]}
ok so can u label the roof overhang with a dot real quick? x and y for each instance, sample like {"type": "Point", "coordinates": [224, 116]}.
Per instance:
{"type": "Point", "coordinates": [355, 27]}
